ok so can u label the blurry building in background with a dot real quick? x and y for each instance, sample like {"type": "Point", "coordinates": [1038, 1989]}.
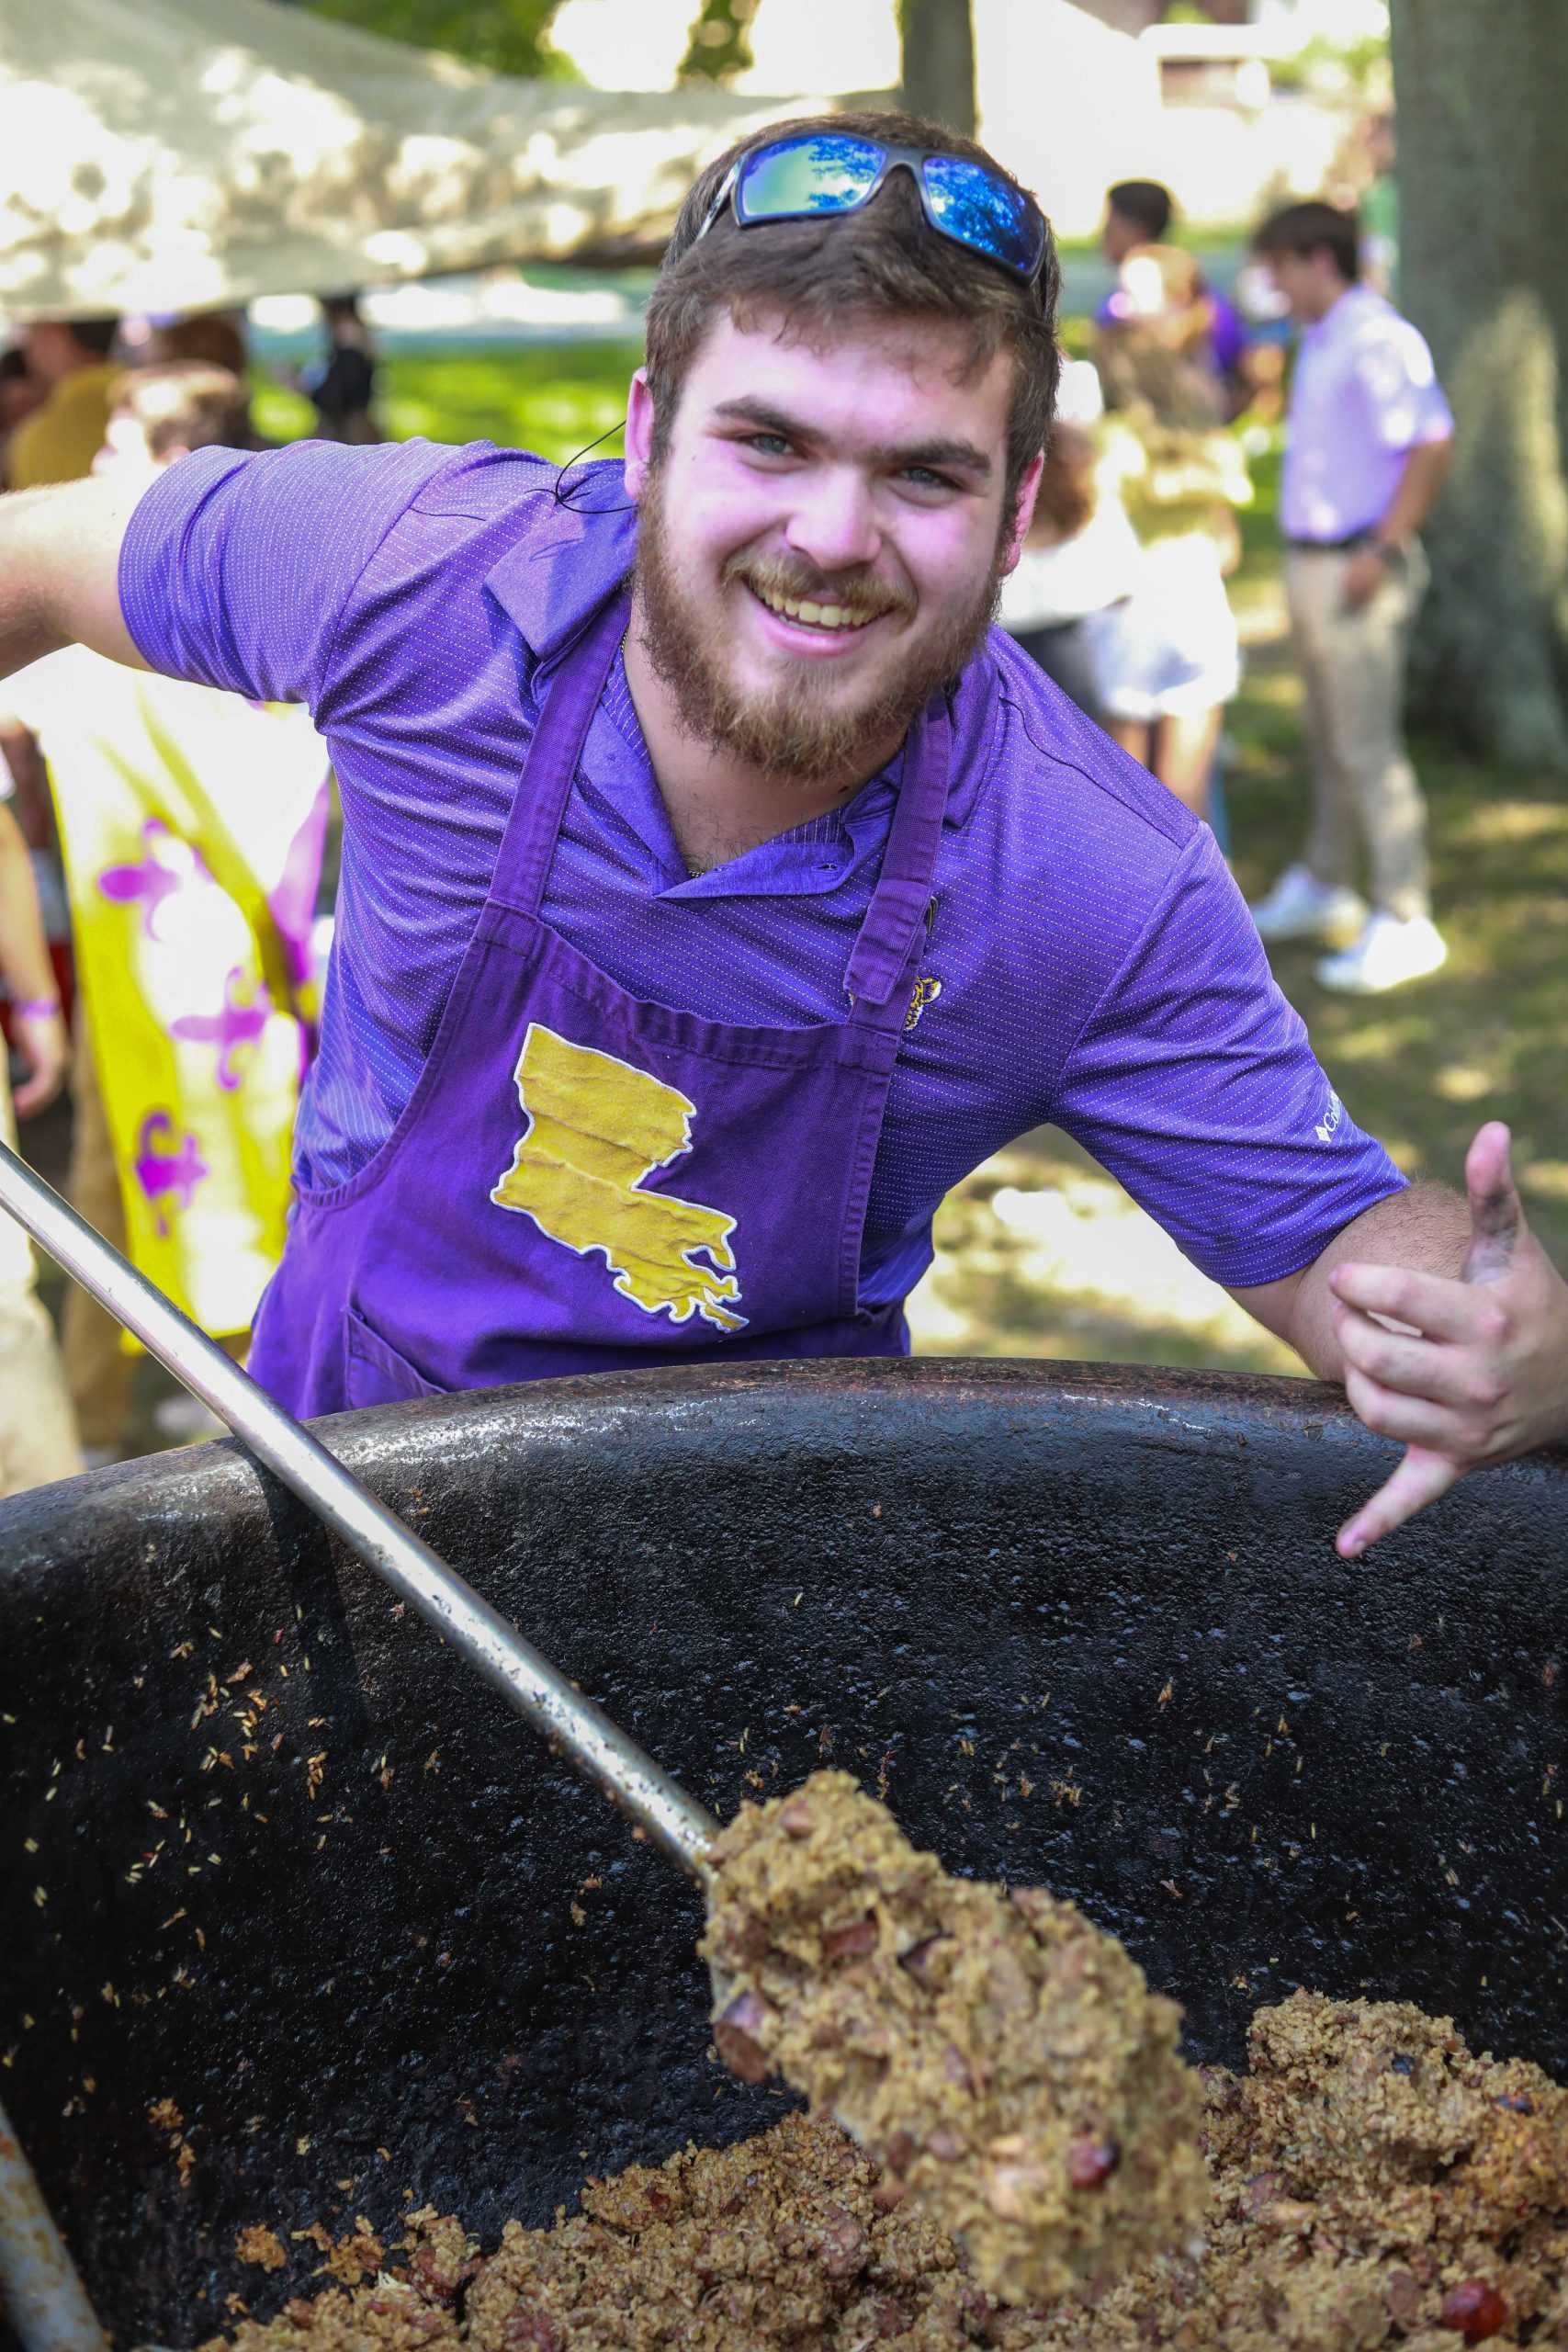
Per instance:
{"type": "Point", "coordinates": [1073, 94]}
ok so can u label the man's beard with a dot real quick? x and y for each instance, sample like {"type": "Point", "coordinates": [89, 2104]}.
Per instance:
{"type": "Point", "coordinates": [792, 731]}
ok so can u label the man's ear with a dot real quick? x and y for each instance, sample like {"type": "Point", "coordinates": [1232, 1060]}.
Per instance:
{"type": "Point", "coordinates": [1024, 513]}
{"type": "Point", "coordinates": [639, 435]}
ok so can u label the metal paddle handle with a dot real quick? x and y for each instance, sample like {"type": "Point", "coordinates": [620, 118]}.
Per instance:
{"type": "Point", "coordinates": [511, 1665]}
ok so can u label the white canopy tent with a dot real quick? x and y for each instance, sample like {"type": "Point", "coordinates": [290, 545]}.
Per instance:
{"type": "Point", "coordinates": [182, 155]}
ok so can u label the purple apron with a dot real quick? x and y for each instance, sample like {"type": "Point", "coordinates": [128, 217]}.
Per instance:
{"type": "Point", "coordinates": [583, 1181]}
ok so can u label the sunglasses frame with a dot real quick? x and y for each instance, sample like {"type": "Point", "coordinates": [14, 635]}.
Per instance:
{"type": "Point", "coordinates": [909, 159]}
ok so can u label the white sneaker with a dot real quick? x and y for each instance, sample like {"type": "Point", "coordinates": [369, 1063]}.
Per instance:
{"type": "Point", "coordinates": [1388, 953]}
{"type": "Point", "coordinates": [1301, 907]}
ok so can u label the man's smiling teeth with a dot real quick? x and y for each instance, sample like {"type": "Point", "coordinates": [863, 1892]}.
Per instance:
{"type": "Point", "coordinates": [813, 615]}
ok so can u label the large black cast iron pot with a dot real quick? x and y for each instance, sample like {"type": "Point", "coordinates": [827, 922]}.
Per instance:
{"type": "Point", "coordinates": [271, 1854]}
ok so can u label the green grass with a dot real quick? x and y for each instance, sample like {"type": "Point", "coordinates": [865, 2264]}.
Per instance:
{"type": "Point", "coordinates": [1424, 1065]}
{"type": "Point", "coordinates": [554, 398]}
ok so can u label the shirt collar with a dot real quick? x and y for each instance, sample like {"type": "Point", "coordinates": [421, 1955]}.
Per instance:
{"type": "Point", "coordinates": [1342, 313]}
{"type": "Point", "coordinates": [551, 580]}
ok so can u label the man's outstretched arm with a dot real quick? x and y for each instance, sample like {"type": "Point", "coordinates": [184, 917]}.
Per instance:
{"type": "Point", "coordinates": [1475, 1368]}
{"type": "Point", "coordinates": [59, 573]}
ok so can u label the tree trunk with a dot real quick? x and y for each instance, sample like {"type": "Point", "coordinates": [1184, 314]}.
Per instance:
{"type": "Point", "coordinates": [1482, 93]}
{"type": "Point", "coordinates": [938, 39]}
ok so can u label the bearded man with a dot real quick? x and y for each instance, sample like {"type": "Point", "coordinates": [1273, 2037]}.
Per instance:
{"type": "Point", "coordinates": [718, 887]}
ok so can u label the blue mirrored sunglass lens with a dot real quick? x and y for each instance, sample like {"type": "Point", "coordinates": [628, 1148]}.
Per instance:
{"type": "Point", "coordinates": [982, 211]}
{"type": "Point", "coordinates": [821, 175]}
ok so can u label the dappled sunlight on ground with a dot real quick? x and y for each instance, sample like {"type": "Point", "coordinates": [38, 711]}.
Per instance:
{"type": "Point", "coordinates": [1373, 1040]}
{"type": "Point", "coordinates": [1504, 821]}
{"type": "Point", "coordinates": [1463, 1083]}
{"type": "Point", "coordinates": [1042, 1254]}
{"type": "Point", "coordinates": [1482, 1039]}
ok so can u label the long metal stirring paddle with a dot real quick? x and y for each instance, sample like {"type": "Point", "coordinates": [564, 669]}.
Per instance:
{"type": "Point", "coordinates": [509, 1663]}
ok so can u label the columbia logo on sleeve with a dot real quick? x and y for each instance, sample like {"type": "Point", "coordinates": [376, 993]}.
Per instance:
{"type": "Point", "coordinates": [1328, 1125]}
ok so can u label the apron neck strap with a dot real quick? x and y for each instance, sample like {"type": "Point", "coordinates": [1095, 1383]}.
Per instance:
{"type": "Point", "coordinates": [529, 844]}
{"type": "Point", "coordinates": [896, 917]}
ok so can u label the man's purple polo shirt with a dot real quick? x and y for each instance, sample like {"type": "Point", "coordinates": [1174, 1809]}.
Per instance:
{"type": "Point", "coordinates": [1089, 961]}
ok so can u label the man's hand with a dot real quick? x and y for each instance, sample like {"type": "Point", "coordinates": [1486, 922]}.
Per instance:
{"type": "Point", "coordinates": [1480, 1371]}
{"type": "Point", "coordinates": [46, 1049]}
{"type": "Point", "coordinates": [1365, 573]}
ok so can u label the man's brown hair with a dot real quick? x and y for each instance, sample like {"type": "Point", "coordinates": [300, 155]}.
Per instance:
{"type": "Point", "coordinates": [186, 404]}
{"type": "Point", "coordinates": [883, 261]}
{"type": "Point", "coordinates": [1145, 203]}
{"type": "Point", "coordinates": [1307, 229]}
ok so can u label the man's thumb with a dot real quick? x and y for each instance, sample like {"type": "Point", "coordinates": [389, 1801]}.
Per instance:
{"type": "Point", "coordinates": [1496, 1219]}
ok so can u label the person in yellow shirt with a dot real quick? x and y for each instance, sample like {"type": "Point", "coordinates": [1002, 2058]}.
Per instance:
{"type": "Point", "coordinates": [60, 440]}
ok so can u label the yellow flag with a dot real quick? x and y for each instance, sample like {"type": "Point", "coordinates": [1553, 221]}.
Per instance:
{"type": "Point", "coordinates": [191, 824]}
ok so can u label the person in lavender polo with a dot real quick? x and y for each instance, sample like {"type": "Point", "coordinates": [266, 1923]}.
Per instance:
{"type": "Point", "coordinates": [719, 887]}
{"type": "Point", "coordinates": [1367, 439]}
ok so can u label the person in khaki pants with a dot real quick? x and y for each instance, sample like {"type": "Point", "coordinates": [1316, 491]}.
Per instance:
{"type": "Point", "coordinates": [1351, 659]}
{"type": "Point", "coordinates": [37, 1428]}
{"type": "Point", "coordinates": [1368, 440]}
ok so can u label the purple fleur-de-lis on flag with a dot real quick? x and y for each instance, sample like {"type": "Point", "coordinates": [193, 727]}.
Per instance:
{"type": "Point", "coordinates": [160, 1172]}
{"type": "Point", "coordinates": [239, 1023]}
{"type": "Point", "coordinates": [147, 882]}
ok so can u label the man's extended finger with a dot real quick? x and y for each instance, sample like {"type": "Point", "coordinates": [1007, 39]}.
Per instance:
{"type": "Point", "coordinates": [1409, 1420]}
{"type": "Point", "coordinates": [1420, 1478]}
{"type": "Point", "coordinates": [1438, 1305]}
{"type": "Point", "coordinates": [1495, 1216]}
{"type": "Point", "coordinates": [1414, 1367]}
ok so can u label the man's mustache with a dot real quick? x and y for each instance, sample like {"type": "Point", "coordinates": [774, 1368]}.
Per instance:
{"type": "Point", "coordinates": [859, 588]}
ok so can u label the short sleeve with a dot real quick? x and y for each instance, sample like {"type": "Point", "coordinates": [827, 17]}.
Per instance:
{"type": "Point", "coordinates": [1398, 381]}
{"type": "Point", "coordinates": [236, 569]}
{"type": "Point", "coordinates": [1193, 1082]}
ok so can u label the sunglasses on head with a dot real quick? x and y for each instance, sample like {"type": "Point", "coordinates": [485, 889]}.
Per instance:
{"type": "Point", "coordinates": [823, 173]}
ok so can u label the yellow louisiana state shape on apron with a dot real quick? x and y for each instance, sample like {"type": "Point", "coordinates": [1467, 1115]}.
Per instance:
{"type": "Point", "coordinates": [598, 1125]}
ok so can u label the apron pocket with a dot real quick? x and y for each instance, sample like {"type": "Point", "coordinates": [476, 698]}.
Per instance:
{"type": "Point", "coordinates": [374, 1373]}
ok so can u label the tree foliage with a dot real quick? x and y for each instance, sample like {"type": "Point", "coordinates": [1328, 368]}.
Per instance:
{"type": "Point", "coordinates": [719, 48]}
{"type": "Point", "coordinates": [506, 35]}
